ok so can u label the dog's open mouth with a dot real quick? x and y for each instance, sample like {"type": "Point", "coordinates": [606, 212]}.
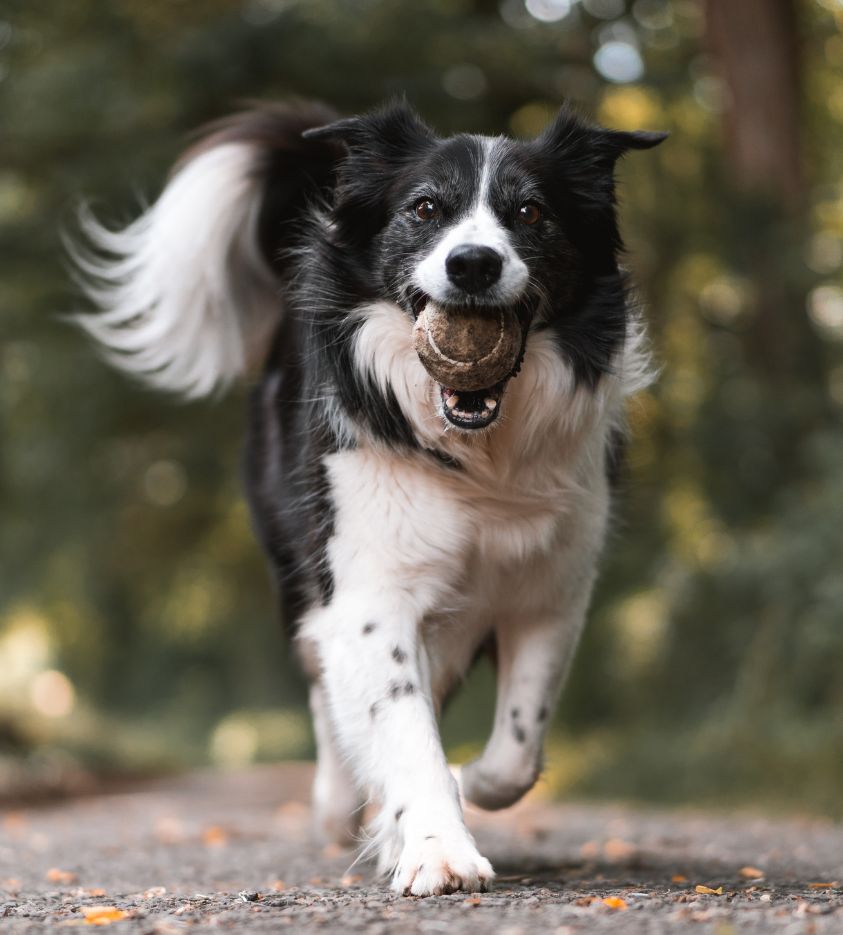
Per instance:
{"type": "Point", "coordinates": [471, 409]}
{"type": "Point", "coordinates": [471, 352]}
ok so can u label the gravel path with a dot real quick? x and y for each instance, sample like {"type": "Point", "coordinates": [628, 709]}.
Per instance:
{"type": "Point", "coordinates": [231, 851]}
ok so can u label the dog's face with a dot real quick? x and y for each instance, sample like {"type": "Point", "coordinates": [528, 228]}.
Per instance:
{"type": "Point", "coordinates": [487, 237]}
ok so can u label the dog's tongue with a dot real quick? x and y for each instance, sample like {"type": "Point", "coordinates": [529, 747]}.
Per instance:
{"type": "Point", "coordinates": [467, 349]}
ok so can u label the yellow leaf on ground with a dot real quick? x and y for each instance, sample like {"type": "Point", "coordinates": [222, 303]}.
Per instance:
{"type": "Point", "coordinates": [103, 915]}
{"type": "Point", "coordinates": [822, 886]}
{"type": "Point", "coordinates": [54, 875]}
{"type": "Point", "coordinates": [616, 849]}
{"type": "Point", "coordinates": [214, 836]}
{"type": "Point", "coordinates": [615, 902]}
{"type": "Point", "coordinates": [678, 878]}
{"type": "Point", "coordinates": [590, 850]}
{"type": "Point", "coordinates": [708, 891]}
{"type": "Point", "coordinates": [751, 873]}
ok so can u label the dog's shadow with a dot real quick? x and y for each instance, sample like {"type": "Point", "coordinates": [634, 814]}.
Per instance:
{"type": "Point", "coordinates": [646, 872]}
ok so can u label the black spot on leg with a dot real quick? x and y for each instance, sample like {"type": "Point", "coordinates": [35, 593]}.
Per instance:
{"type": "Point", "coordinates": [368, 628]}
{"type": "Point", "coordinates": [398, 814]}
{"type": "Point", "coordinates": [429, 837]}
{"type": "Point", "coordinates": [542, 714]}
{"type": "Point", "coordinates": [396, 689]}
{"type": "Point", "coordinates": [373, 710]}
{"type": "Point", "coordinates": [519, 733]}
{"type": "Point", "coordinates": [399, 655]}
{"type": "Point", "coordinates": [516, 713]}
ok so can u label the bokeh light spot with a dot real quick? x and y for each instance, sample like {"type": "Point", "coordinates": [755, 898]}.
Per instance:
{"type": "Point", "coordinates": [465, 82]}
{"type": "Point", "coordinates": [548, 11]}
{"type": "Point", "coordinates": [52, 694]}
{"type": "Point", "coordinates": [825, 308]}
{"type": "Point", "coordinates": [619, 61]}
{"type": "Point", "coordinates": [164, 483]}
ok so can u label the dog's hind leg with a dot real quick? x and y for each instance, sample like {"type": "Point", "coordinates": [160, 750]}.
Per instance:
{"type": "Point", "coordinates": [337, 800]}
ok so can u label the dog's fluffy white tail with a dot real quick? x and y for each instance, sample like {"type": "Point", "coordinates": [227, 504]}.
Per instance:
{"type": "Point", "coordinates": [188, 294]}
{"type": "Point", "coordinates": [186, 297]}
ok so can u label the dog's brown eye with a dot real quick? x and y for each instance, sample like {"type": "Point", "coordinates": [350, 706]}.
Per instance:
{"type": "Point", "coordinates": [529, 213]}
{"type": "Point", "coordinates": [426, 210]}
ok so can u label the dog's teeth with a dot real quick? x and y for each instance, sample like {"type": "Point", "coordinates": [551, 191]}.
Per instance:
{"type": "Point", "coordinates": [452, 401]}
{"type": "Point", "coordinates": [490, 403]}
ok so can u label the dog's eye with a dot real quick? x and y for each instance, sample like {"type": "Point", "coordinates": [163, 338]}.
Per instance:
{"type": "Point", "coordinates": [426, 210]}
{"type": "Point", "coordinates": [529, 213]}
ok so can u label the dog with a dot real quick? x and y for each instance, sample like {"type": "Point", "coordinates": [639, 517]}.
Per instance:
{"type": "Point", "coordinates": [424, 496]}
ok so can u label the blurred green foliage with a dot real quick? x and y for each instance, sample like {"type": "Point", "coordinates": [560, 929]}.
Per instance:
{"type": "Point", "coordinates": [137, 622]}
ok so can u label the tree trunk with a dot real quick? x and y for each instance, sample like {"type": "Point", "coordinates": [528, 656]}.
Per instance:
{"type": "Point", "coordinates": [757, 48]}
{"type": "Point", "coordinates": [756, 45]}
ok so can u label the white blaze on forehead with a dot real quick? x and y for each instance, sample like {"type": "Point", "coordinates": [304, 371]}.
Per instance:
{"type": "Point", "coordinates": [479, 227]}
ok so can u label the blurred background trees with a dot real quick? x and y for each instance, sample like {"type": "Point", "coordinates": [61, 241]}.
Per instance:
{"type": "Point", "coordinates": [137, 623]}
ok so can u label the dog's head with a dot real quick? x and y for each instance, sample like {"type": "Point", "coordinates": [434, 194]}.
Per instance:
{"type": "Point", "coordinates": [481, 239]}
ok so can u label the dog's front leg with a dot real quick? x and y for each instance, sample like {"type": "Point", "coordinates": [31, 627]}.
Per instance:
{"type": "Point", "coordinates": [375, 676]}
{"type": "Point", "coordinates": [535, 646]}
{"type": "Point", "coordinates": [533, 658]}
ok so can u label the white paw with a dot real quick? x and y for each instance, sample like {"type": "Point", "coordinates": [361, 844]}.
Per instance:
{"type": "Point", "coordinates": [441, 863]}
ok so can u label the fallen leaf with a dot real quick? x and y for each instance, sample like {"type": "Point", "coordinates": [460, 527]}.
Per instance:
{"type": "Point", "coordinates": [708, 891]}
{"type": "Point", "coordinates": [678, 878]}
{"type": "Point", "coordinates": [471, 901]}
{"type": "Point", "coordinates": [590, 850]}
{"type": "Point", "coordinates": [214, 836]}
{"type": "Point", "coordinates": [54, 875]}
{"type": "Point", "coordinates": [584, 900]}
{"type": "Point", "coordinates": [103, 915]}
{"type": "Point", "coordinates": [616, 849]}
{"type": "Point", "coordinates": [278, 885]}
{"type": "Point", "coordinates": [94, 891]}
{"type": "Point", "coordinates": [822, 886]}
{"type": "Point", "coordinates": [350, 879]}
{"type": "Point", "coordinates": [615, 902]}
{"type": "Point", "coordinates": [169, 830]}
{"type": "Point", "coordinates": [14, 824]}
{"type": "Point", "coordinates": [751, 873]}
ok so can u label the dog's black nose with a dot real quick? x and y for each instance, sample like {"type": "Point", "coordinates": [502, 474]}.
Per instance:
{"type": "Point", "coordinates": [473, 268]}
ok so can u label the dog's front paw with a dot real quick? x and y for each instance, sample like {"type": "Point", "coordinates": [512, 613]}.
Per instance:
{"type": "Point", "coordinates": [439, 864]}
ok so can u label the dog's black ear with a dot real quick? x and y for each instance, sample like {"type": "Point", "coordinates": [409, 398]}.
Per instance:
{"type": "Point", "coordinates": [394, 130]}
{"type": "Point", "coordinates": [380, 147]}
{"type": "Point", "coordinates": [621, 141]}
{"type": "Point", "coordinates": [570, 136]}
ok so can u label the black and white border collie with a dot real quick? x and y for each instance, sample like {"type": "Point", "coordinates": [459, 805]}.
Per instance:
{"type": "Point", "coordinates": [409, 533]}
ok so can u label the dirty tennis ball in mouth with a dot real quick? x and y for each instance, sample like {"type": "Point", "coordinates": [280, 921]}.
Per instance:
{"type": "Point", "coordinates": [467, 349]}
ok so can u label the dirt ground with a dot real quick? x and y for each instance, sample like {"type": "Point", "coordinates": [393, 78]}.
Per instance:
{"type": "Point", "coordinates": [228, 851]}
